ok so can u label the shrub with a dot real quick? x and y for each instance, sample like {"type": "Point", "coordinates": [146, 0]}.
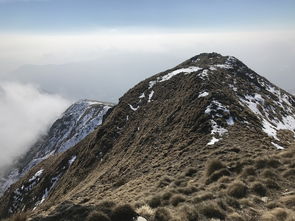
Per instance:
{"type": "Point", "coordinates": [203, 197]}
{"type": "Point", "coordinates": [261, 163]}
{"type": "Point", "coordinates": [155, 201]}
{"type": "Point", "coordinates": [237, 190]}
{"type": "Point", "coordinates": [267, 173]}
{"type": "Point", "coordinates": [176, 199]}
{"type": "Point", "coordinates": [274, 163]}
{"type": "Point", "coordinates": [162, 214]}
{"type": "Point", "coordinates": [232, 202]}
{"type": "Point", "coordinates": [97, 216]}
{"type": "Point", "coordinates": [188, 214]}
{"type": "Point", "coordinates": [167, 195]}
{"type": "Point", "coordinates": [187, 190]}
{"type": "Point", "coordinates": [190, 172]}
{"type": "Point", "coordinates": [213, 165]}
{"type": "Point", "coordinates": [248, 171]}
{"type": "Point", "coordinates": [106, 207]}
{"type": "Point", "coordinates": [259, 188]}
{"type": "Point", "coordinates": [145, 211]}
{"type": "Point", "coordinates": [124, 213]}
{"type": "Point", "coordinates": [217, 174]}
{"type": "Point", "coordinates": [212, 210]}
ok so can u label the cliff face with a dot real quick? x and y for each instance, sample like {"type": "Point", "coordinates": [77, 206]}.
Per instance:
{"type": "Point", "coordinates": [80, 119]}
{"type": "Point", "coordinates": [210, 106]}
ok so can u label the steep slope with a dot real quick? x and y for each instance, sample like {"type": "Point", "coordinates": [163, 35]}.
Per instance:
{"type": "Point", "coordinates": [80, 119]}
{"type": "Point", "coordinates": [210, 106]}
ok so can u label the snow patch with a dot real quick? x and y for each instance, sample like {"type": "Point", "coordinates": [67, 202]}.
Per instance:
{"type": "Point", "coordinates": [203, 94]}
{"type": "Point", "coordinates": [37, 175]}
{"type": "Point", "coordinates": [172, 74]}
{"type": "Point", "coordinates": [142, 96]}
{"type": "Point", "coordinates": [133, 108]}
{"type": "Point", "coordinates": [277, 146]}
{"type": "Point", "coordinates": [150, 96]}
{"type": "Point", "coordinates": [213, 141]}
{"type": "Point", "coordinates": [71, 161]}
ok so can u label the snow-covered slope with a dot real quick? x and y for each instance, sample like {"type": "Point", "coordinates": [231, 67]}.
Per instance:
{"type": "Point", "coordinates": [210, 105]}
{"type": "Point", "coordinates": [80, 119]}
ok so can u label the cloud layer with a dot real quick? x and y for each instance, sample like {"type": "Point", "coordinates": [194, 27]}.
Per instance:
{"type": "Point", "coordinates": [104, 64]}
{"type": "Point", "coordinates": [25, 113]}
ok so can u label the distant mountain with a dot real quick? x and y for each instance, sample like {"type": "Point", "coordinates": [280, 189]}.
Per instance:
{"type": "Point", "coordinates": [199, 141]}
{"type": "Point", "coordinates": [80, 119]}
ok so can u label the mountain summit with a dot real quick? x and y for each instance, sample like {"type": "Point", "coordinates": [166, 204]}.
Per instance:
{"type": "Point", "coordinates": [158, 139]}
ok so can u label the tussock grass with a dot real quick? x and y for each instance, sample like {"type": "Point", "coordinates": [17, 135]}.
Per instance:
{"type": "Point", "coordinates": [155, 201]}
{"type": "Point", "coordinates": [97, 216]}
{"type": "Point", "coordinates": [145, 211]}
{"type": "Point", "coordinates": [162, 214]}
{"type": "Point", "coordinates": [237, 190]}
{"type": "Point", "coordinates": [258, 188]}
{"type": "Point", "coordinates": [234, 217]}
{"type": "Point", "coordinates": [211, 210]}
{"type": "Point", "coordinates": [176, 199]}
{"type": "Point", "coordinates": [213, 165]}
{"type": "Point", "coordinates": [123, 213]}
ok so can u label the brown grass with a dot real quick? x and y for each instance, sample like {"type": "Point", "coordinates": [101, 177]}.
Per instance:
{"type": "Point", "coordinates": [237, 190]}
{"type": "Point", "coordinates": [162, 214]}
{"type": "Point", "coordinates": [258, 188]}
{"type": "Point", "coordinates": [176, 199]}
{"type": "Point", "coordinates": [211, 210]}
{"type": "Point", "coordinates": [213, 165]}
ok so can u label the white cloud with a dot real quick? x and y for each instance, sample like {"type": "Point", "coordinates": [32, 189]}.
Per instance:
{"type": "Point", "coordinates": [132, 55]}
{"type": "Point", "coordinates": [25, 113]}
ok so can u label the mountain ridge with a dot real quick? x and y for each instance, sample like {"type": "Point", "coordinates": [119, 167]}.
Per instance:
{"type": "Point", "coordinates": [210, 106]}
{"type": "Point", "coordinates": [81, 118]}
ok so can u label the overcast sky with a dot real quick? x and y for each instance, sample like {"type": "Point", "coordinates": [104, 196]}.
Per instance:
{"type": "Point", "coordinates": [99, 49]}
{"type": "Point", "coordinates": [63, 50]}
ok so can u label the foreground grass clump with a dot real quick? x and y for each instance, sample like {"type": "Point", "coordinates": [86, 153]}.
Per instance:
{"type": "Point", "coordinates": [176, 199]}
{"type": "Point", "coordinates": [162, 214]}
{"type": "Point", "coordinates": [97, 216]}
{"type": "Point", "coordinates": [237, 190]}
{"type": "Point", "coordinates": [145, 211]}
{"type": "Point", "coordinates": [123, 213]}
{"type": "Point", "coordinates": [18, 217]}
{"type": "Point", "coordinates": [259, 188]}
{"type": "Point", "coordinates": [213, 165]}
{"type": "Point", "coordinates": [278, 214]}
{"type": "Point", "coordinates": [155, 201]}
{"type": "Point", "coordinates": [211, 210]}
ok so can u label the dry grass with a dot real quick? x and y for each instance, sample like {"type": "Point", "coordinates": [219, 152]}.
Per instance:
{"type": "Point", "coordinates": [237, 189]}
{"type": "Point", "coordinates": [211, 210]}
{"type": "Point", "coordinates": [97, 216]}
{"type": "Point", "coordinates": [176, 199]}
{"type": "Point", "coordinates": [213, 165]}
{"type": "Point", "coordinates": [162, 214]}
{"type": "Point", "coordinates": [145, 211]}
{"type": "Point", "coordinates": [258, 188]}
{"type": "Point", "coordinates": [278, 214]}
{"type": "Point", "coordinates": [235, 217]}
